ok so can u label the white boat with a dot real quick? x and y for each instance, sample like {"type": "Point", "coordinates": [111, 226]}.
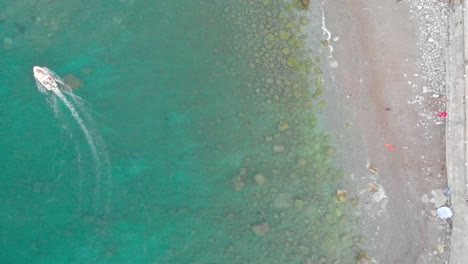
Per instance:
{"type": "Point", "coordinates": [43, 77]}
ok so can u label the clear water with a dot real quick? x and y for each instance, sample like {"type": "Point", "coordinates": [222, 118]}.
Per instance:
{"type": "Point", "coordinates": [186, 101]}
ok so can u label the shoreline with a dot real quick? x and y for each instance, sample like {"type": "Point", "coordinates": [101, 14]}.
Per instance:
{"type": "Point", "coordinates": [383, 72]}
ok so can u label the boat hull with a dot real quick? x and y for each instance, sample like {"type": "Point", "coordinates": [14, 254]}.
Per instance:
{"type": "Point", "coordinates": [44, 78]}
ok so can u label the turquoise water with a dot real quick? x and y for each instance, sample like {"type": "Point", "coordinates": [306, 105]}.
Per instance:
{"type": "Point", "coordinates": [205, 119]}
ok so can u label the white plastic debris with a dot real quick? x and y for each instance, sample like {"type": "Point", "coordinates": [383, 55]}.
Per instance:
{"type": "Point", "coordinates": [444, 212]}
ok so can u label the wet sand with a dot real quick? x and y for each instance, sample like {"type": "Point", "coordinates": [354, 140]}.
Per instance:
{"type": "Point", "coordinates": [380, 94]}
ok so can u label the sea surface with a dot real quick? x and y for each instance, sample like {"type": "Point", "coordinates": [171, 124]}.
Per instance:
{"type": "Point", "coordinates": [194, 133]}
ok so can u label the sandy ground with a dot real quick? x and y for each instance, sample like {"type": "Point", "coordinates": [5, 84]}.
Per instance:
{"type": "Point", "coordinates": [377, 54]}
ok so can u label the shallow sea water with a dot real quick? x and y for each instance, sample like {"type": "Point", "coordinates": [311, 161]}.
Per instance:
{"type": "Point", "coordinates": [206, 118]}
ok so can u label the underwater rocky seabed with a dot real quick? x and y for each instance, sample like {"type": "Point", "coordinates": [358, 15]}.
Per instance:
{"type": "Point", "coordinates": [268, 187]}
{"type": "Point", "coordinates": [293, 181]}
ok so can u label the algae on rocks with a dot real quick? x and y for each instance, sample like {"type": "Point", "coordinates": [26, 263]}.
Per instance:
{"type": "Point", "coordinates": [302, 4]}
{"type": "Point", "coordinates": [295, 170]}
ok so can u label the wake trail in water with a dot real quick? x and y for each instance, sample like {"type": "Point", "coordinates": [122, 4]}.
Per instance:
{"type": "Point", "coordinates": [76, 107]}
{"type": "Point", "coordinates": [87, 135]}
{"type": "Point", "coordinates": [80, 104]}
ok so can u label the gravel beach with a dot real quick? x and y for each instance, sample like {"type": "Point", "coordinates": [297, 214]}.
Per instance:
{"type": "Point", "coordinates": [390, 83]}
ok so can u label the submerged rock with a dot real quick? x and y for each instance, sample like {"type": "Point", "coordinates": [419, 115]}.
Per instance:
{"type": "Point", "coordinates": [284, 35]}
{"type": "Point", "coordinates": [282, 126]}
{"type": "Point", "coordinates": [341, 195]}
{"type": "Point", "coordinates": [20, 27]}
{"type": "Point", "coordinates": [260, 179]}
{"type": "Point", "coordinates": [8, 43]}
{"type": "Point", "coordinates": [279, 148]}
{"type": "Point", "coordinates": [73, 81]}
{"type": "Point", "coordinates": [299, 204]}
{"type": "Point", "coordinates": [87, 70]}
{"type": "Point", "coordinates": [243, 171]}
{"type": "Point", "coordinates": [261, 229]}
{"type": "Point", "coordinates": [238, 183]}
{"type": "Point", "coordinates": [302, 162]}
{"type": "Point", "coordinates": [283, 200]}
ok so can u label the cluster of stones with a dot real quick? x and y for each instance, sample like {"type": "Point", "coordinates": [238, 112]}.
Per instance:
{"type": "Point", "coordinates": [276, 47]}
{"type": "Point", "coordinates": [292, 186]}
{"type": "Point", "coordinates": [302, 207]}
{"type": "Point", "coordinates": [433, 19]}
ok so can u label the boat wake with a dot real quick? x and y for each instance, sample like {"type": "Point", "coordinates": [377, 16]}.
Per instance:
{"type": "Point", "coordinates": [102, 185]}
{"type": "Point", "coordinates": [327, 37]}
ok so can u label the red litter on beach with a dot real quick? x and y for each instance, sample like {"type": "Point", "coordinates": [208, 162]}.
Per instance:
{"type": "Point", "coordinates": [443, 114]}
{"type": "Point", "coordinates": [390, 147]}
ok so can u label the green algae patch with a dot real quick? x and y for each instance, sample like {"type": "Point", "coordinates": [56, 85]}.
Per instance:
{"type": "Point", "coordinates": [321, 105]}
{"type": "Point", "coordinates": [284, 35]}
{"type": "Point", "coordinates": [313, 120]}
{"type": "Point", "coordinates": [292, 41]}
{"type": "Point", "coordinates": [317, 93]}
{"type": "Point", "coordinates": [290, 25]}
{"type": "Point", "coordinates": [292, 62]}
{"type": "Point", "coordinates": [300, 29]}
{"type": "Point", "coordinates": [329, 151]}
{"type": "Point", "coordinates": [300, 43]}
{"type": "Point", "coordinates": [338, 212]}
{"type": "Point", "coordinates": [282, 15]}
{"type": "Point", "coordinates": [290, 7]}
{"type": "Point", "coordinates": [300, 67]}
{"type": "Point", "coordinates": [319, 81]}
{"type": "Point", "coordinates": [270, 37]}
